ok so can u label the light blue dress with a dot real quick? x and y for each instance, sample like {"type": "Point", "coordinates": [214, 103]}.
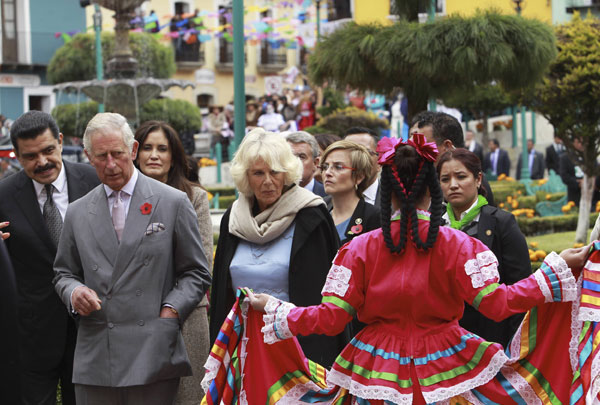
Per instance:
{"type": "Point", "coordinates": [341, 229]}
{"type": "Point", "coordinates": [264, 268]}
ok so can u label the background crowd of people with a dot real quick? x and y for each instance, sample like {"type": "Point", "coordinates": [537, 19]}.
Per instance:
{"type": "Point", "coordinates": [112, 265]}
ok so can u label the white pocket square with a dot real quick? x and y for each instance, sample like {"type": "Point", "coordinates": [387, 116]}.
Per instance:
{"type": "Point", "coordinates": [155, 227]}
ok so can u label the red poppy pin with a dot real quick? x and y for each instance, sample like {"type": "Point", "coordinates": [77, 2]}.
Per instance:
{"type": "Point", "coordinates": [146, 208]}
{"type": "Point", "coordinates": [358, 228]}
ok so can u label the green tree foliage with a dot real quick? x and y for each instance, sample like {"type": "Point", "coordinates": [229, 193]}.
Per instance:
{"type": "Point", "coordinates": [569, 96]}
{"type": "Point", "coordinates": [76, 60]}
{"type": "Point", "coordinates": [480, 102]}
{"type": "Point", "coordinates": [183, 116]}
{"type": "Point", "coordinates": [435, 59]}
{"type": "Point", "coordinates": [341, 120]}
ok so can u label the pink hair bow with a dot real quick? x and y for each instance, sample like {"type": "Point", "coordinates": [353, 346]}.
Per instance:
{"type": "Point", "coordinates": [386, 148]}
{"type": "Point", "coordinates": [428, 150]}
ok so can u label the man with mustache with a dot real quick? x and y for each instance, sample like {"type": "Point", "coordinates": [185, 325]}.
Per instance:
{"type": "Point", "coordinates": [33, 204]}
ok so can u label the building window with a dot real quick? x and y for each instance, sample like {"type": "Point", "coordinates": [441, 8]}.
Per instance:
{"type": "Point", "coordinates": [10, 53]}
{"type": "Point", "coordinates": [338, 9]}
{"type": "Point", "coordinates": [225, 44]}
{"type": "Point", "coordinates": [271, 52]}
{"type": "Point", "coordinates": [187, 45]}
{"type": "Point", "coordinates": [204, 100]}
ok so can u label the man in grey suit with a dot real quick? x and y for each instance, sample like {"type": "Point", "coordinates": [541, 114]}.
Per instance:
{"type": "Point", "coordinates": [130, 263]}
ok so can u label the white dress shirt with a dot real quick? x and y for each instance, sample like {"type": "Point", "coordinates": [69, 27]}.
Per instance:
{"type": "Point", "coordinates": [125, 196]}
{"type": "Point", "coordinates": [311, 185]}
{"type": "Point", "coordinates": [371, 192]}
{"type": "Point", "coordinates": [60, 195]}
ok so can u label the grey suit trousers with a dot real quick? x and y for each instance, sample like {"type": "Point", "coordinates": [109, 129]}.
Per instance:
{"type": "Point", "coordinates": [158, 393]}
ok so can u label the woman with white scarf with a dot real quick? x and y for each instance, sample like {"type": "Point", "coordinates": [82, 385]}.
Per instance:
{"type": "Point", "coordinates": [277, 237]}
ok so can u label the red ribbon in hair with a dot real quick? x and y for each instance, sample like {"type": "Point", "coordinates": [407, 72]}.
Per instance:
{"type": "Point", "coordinates": [387, 148]}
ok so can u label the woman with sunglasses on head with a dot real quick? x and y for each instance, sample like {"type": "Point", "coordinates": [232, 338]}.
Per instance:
{"type": "Point", "coordinates": [345, 168]}
{"type": "Point", "coordinates": [408, 282]}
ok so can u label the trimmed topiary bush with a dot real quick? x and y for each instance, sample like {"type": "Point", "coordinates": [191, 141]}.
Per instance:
{"type": "Point", "coordinates": [552, 224]}
{"type": "Point", "coordinates": [340, 120]}
{"type": "Point", "coordinates": [182, 115]}
{"type": "Point", "coordinates": [76, 60]}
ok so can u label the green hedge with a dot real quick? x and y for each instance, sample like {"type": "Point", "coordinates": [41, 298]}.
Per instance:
{"type": "Point", "coordinates": [545, 225]}
{"type": "Point", "coordinates": [223, 191]}
{"type": "Point", "coordinates": [503, 189]}
{"type": "Point", "coordinates": [182, 115]}
{"type": "Point", "coordinates": [76, 59]}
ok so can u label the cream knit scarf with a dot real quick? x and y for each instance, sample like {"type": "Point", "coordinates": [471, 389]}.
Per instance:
{"type": "Point", "coordinates": [273, 221]}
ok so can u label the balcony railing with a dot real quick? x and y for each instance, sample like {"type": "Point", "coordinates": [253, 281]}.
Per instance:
{"type": "Point", "coordinates": [191, 55]}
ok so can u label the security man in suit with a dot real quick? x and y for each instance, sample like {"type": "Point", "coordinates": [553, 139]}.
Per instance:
{"type": "Point", "coordinates": [535, 161]}
{"type": "Point", "coordinates": [34, 202]}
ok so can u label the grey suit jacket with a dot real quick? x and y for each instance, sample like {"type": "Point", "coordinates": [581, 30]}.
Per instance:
{"type": "Point", "coordinates": [126, 343]}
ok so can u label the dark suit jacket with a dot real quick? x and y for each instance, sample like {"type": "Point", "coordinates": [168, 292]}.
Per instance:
{"type": "Point", "coordinates": [553, 159]}
{"type": "Point", "coordinates": [499, 231]}
{"type": "Point", "coordinates": [537, 167]}
{"type": "Point", "coordinates": [42, 315]}
{"type": "Point", "coordinates": [318, 189]}
{"type": "Point", "coordinates": [503, 165]}
{"type": "Point", "coordinates": [314, 245]}
{"type": "Point", "coordinates": [367, 216]}
{"type": "Point", "coordinates": [478, 151]}
{"type": "Point", "coordinates": [567, 175]}
{"type": "Point", "coordinates": [9, 338]}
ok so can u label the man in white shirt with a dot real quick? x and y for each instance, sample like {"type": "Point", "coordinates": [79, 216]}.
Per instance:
{"type": "Point", "coordinates": [271, 121]}
{"type": "Point", "coordinates": [369, 139]}
{"type": "Point", "coordinates": [34, 202]}
{"type": "Point", "coordinates": [305, 147]}
{"type": "Point", "coordinates": [473, 145]}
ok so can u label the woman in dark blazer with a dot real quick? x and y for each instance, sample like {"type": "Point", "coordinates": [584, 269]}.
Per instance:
{"type": "Point", "coordinates": [345, 169]}
{"type": "Point", "coordinates": [276, 237]}
{"type": "Point", "coordinates": [460, 177]}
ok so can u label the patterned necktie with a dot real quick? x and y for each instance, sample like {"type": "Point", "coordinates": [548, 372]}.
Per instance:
{"type": "Point", "coordinates": [118, 214]}
{"type": "Point", "coordinates": [52, 215]}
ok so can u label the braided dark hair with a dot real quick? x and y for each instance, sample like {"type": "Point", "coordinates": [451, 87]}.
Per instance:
{"type": "Point", "coordinates": [409, 178]}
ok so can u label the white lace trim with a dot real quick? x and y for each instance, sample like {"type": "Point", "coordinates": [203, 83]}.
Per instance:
{"type": "Point", "coordinates": [520, 384]}
{"type": "Point", "coordinates": [589, 314]}
{"type": "Point", "coordinates": [337, 281]}
{"type": "Point", "coordinates": [212, 368]}
{"type": "Point", "coordinates": [276, 325]}
{"type": "Point", "coordinates": [242, 352]}
{"type": "Point", "coordinates": [595, 383]}
{"type": "Point", "coordinates": [497, 361]}
{"type": "Point", "coordinates": [292, 397]}
{"type": "Point", "coordinates": [576, 326]}
{"type": "Point", "coordinates": [440, 394]}
{"type": "Point", "coordinates": [515, 346]}
{"type": "Point", "coordinates": [367, 391]}
{"type": "Point", "coordinates": [483, 268]}
{"type": "Point", "coordinates": [541, 281]}
{"type": "Point", "coordinates": [568, 286]}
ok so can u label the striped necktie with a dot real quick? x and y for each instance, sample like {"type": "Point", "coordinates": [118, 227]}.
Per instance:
{"type": "Point", "coordinates": [52, 215]}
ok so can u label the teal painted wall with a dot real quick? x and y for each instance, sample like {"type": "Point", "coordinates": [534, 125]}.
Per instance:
{"type": "Point", "coordinates": [48, 17]}
{"type": "Point", "coordinates": [11, 102]}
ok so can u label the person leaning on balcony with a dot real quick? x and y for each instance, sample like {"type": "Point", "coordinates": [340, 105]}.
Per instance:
{"type": "Point", "coordinates": [277, 237]}
{"type": "Point", "coordinates": [460, 176]}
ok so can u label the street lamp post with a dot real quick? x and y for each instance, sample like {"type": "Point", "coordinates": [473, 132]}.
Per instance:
{"type": "Point", "coordinates": [318, 20]}
{"type": "Point", "coordinates": [98, 30]}
{"type": "Point", "coordinates": [431, 18]}
{"type": "Point", "coordinates": [525, 175]}
{"type": "Point", "coordinates": [239, 86]}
